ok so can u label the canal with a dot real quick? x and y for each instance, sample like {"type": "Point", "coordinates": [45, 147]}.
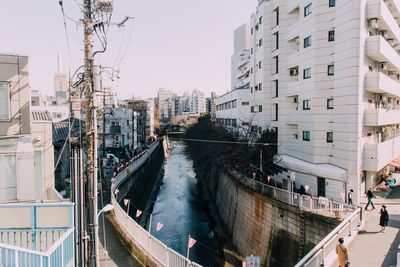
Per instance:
{"type": "Point", "coordinates": [179, 208]}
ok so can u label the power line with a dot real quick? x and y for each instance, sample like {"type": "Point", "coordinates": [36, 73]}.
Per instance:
{"type": "Point", "coordinates": [60, 2]}
{"type": "Point", "coordinates": [222, 142]}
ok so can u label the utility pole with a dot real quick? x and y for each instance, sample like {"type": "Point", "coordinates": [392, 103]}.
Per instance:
{"type": "Point", "coordinates": [91, 137]}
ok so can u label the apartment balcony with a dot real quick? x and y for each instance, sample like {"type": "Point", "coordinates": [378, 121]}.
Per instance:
{"type": "Point", "coordinates": [379, 83]}
{"type": "Point", "coordinates": [115, 129]}
{"type": "Point", "coordinates": [378, 9]}
{"type": "Point", "coordinates": [378, 49]}
{"type": "Point", "coordinates": [37, 234]}
{"type": "Point", "coordinates": [378, 155]}
{"type": "Point", "coordinates": [243, 63]}
{"type": "Point", "coordinates": [381, 116]}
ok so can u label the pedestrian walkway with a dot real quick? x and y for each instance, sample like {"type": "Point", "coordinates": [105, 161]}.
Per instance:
{"type": "Point", "coordinates": [118, 255]}
{"type": "Point", "coordinates": [371, 247]}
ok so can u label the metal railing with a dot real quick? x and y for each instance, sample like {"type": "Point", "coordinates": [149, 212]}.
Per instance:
{"type": "Point", "coordinates": [61, 253]}
{"type": "Point", "coordinates": [154, 247]}
{"type": "Point", "coordinates": [322, 253]}
{"type": "Point", "coordinates": [316, 205]}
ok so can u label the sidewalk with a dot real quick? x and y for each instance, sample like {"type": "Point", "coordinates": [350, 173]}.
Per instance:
{"type": "Point", "coordinates": [118, 255]}
{"type": "Point", "coordinates": [371, 247]}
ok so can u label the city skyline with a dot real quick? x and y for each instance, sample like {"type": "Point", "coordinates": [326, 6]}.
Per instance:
{"type": "Point", "coordinates": [174, 58]}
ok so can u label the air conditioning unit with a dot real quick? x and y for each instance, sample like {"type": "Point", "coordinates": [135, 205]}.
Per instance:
{"type": "Point", "coordinates": [293, 72]}
{"type": "Point", "coordinates": [390, 41]}
{"type": "Point", "coordinates": [373, 23]}
{"type": "Point", "coordinates": [384, 34]}
{"type": "Point", "coordinates": [383, 66]}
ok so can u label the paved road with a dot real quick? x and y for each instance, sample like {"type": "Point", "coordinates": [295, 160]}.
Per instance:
{"type": "Point", "coordinates": [372, 248]}
{"type": "Point", "coordinates": [118, 255]}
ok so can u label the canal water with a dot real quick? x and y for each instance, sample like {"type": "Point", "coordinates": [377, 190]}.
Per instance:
{"type": "Point", "coordinates": [179, 208]}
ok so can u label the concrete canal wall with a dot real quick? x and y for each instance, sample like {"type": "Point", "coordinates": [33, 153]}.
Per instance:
{"type": "Point", "coordinates": [280, 234]}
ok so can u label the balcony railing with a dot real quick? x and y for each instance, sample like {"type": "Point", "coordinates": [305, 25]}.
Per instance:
{"type": "Point", "coordinates": [37, 234]}
{"type": "Point", "coordinates": [380, 50]}
{"type": "Point", "coordinates": [378, 155]}
{"type": "Point", "coordinates": [377, 9]}
{"type": "Point", "coordinates": [381, 116]}
{"type": "Point", "coordinates": [379, 83]}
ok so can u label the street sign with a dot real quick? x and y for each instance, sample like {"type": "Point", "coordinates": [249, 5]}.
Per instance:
{"type": "Point", "coordinates": [252, 261]}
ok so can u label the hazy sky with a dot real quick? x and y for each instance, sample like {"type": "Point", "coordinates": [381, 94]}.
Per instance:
{"type": "Point", "coordinates": [177, 44]}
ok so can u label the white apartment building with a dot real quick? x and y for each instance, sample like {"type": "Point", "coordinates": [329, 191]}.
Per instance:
{"type": "Point", "coordinates": [240, 60]}
{"type": "Point", "coordinates": [326, 76]}
{"type": "Point", "coordinates": [197, 102]}
{"type": "Point", "coordinates": [166, 103]}
{"type": "Point", "coordinates": [233, 111]}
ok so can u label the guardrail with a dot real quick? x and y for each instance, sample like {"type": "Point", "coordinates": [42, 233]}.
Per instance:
{"type": "Point", "coordinates": [61, 253]}
{"type": "Point", "coordinates": [154, 247]}
{"type": "Point", "coordinates": [322, 253]}
{"type": "Point", "coordinates": [321, 206]}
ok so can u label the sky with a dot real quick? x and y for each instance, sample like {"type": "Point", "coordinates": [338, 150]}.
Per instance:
{"type": "Point", "coordinates": [176, 44]}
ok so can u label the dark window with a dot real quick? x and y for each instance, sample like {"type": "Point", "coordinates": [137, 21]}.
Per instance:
{"type": "Point", "coordinates": [276, 82]}
{"type": "Point", "coordinates": [331, 36]}
{"type": "Point", "coordinates": [329, 137]}
{"type": "Point", "coordinates": [306, 104]}
{"type": "Point", "coordinates": [332, 3]}
{"type": "Point", "coordinates": [260, 108]}
{"type": "Point", "coordinates": [306, 135]}
{"type": "Point", "coordinates": [275, 112]}
{"type": "Point", "coordinates": [260, 42]}
{"type": "Point", "coordinates": [260, 64]}
{"type": "Point", "coordinates": [307, 10]}
{"type": "Point", "coordinates": [276, 59]}
{"type": "Point", "coordinates": [307, 73]}
{"type": "Point", "coordinates": [260, 20]}
{"type": "Point", "coordinates": [329, 103]}
{"type": "Point", "coordinates": [275, 16]}
{"type": "Point", "coordinates": [245, 103]}
{"type": "Point", "coordinates": [251, 50]}
{"type": "Point", "coordinates": [251, 30]}
{"type": "Point", "coordinates": [331, 70]}
{"type": "Point", "coordinates": [252, 109]}
{"type": "Point", "coordinates": [260, 86]}
{"type": "Point", "coordinates": [307, 41]}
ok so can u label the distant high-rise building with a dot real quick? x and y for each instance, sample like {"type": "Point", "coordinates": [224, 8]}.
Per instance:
{"type": "Point", "coordinates": [60, 80]}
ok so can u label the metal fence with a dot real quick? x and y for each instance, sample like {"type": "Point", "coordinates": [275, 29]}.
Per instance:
{"type": "Point", "coordinates": [154, 247]}
{"type": "Point", "coordinates": [61, 253]}
{"type": "Point", "coordinates": [322, 252]}
{"type": "Point", "coordinates": [316, 205]}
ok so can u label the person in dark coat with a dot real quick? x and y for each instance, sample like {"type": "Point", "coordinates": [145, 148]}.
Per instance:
{"type": "Point", "coordinates": [370, 196]}
{"type": "Point", "coordinates": [384, 218]}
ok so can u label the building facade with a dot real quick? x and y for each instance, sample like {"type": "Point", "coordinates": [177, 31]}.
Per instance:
{"type": "Point", "coordinates": [326, 74]}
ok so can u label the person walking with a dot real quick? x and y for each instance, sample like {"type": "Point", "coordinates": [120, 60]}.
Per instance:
{"type": "Point", "coordinates": [384, 218]}
{"type": "Point", "coordinates": [350, 197]}
{"type": "Point", "coordinates": [370, 196]}
{"type": "Point", "coordinates": [342, 253]}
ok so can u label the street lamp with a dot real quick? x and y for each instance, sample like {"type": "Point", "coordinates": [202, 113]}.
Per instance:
{"type": "Point", "coordinates": [106, 208]}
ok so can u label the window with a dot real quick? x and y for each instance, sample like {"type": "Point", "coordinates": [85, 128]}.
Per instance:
{"type": "Point", "coordinates": [329, 137]}
{"type": "Point", "coordinates": [251, 70]}
{"type": "Point", "coordinates": [260, 20]}
{"type": "Point", "coordinates": [252, 109]}
{"type": "Point", "coordinates": [331, 36]}
{"type": "Point", "coordinates": [234, 104]}
{"type": "Point", "coordinates": [307, 41]}
{"type": "Point", "coordinates": [307, 9]}
{"type": "Point", "coordinates": [306, 135]}
{"type": "Point", "coordinates": [307, 73]}
{"type": "Point", "coordinates": [276, 59]}
{"type": "Point", "coordinates": [259, 108]}
{"type": "Point", "coordinates": [260, 42]}
{"type": "Point", "coordinates": [260, 86]}
{"type": "Point", "coordinates": [256, 87]}
{"type": "Point", "coordinates": [332, 3]}
{"type": "Point", "coordinates": [331, 70]}
{"type": "Point", "coordinates": [245, 103]}
{"type": "Point", "coordinates": [260, 64]}
{"type": "Point", "coordinates": [251, 50]}
{"type": "Point", "coordinates": [276, 83]}
{"type": "Point", "coordinates": [127, 123]}
{"type": "Point", "coordinates": [275, 38]}
{"type": "Point", "coordinates": [251, 31]}
{"type": "Point", "coordinates": [275, 112]}
{"type": "Point", "coordinates": [306, 104]}
{"type": "Point", "coordinates": [275, 17]}
{"type": "Point", "coordinates": [329, 103]}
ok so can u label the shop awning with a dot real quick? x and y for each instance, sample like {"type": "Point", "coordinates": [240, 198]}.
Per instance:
{"type": "Point", "coordinates": [320, 170]}
{"type": "Point", "coordinates": [395, 162]}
